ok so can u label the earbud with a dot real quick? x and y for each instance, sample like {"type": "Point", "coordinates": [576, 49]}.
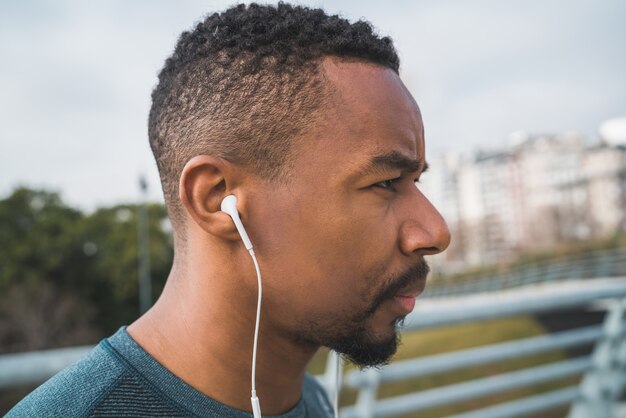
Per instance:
{"type": "Point", "coordinates": [229, 205]}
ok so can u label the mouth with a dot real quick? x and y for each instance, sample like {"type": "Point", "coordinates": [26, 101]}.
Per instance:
{"type": "Point", "coordinates": [406, 297]}
{"type": "Point", "coordinates": [402, 290]}
{"type": "Point", "coordinates": [407, 303]}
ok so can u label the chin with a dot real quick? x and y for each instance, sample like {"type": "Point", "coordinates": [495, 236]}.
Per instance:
{"type": "Point", "coordinates": [369, 349]}
{"type": "Point", "coordinates": [365, 342]}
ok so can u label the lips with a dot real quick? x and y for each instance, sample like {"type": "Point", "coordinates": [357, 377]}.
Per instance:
{"type": "Point", "coordinates": [406, 297]}
{"type": "Point", "coordinates": [406, 302]}
{"type": "Point", "coordinates": [402, 289]}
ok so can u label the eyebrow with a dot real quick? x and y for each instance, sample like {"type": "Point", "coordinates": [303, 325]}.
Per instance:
{"type": "Point", "coordinates": [392, 161]}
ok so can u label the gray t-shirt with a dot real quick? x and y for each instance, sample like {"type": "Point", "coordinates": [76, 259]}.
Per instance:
{"type": "Point", "coordinates": [119, 379]}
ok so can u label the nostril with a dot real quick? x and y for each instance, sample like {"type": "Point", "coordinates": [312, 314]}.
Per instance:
{"type": "Point", "coordinates": [430, 250]}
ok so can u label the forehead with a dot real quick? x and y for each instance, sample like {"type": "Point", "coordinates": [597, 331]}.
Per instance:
{"type": "Point", "coordinates": [369, 112]}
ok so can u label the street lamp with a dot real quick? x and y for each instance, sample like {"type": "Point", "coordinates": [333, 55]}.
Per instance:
{"type": "Point", "coordinates": [145, 284]}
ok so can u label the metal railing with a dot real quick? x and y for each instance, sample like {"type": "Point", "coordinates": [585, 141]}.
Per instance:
{"type": "Point", "coordinates": [600, 263]}
{"type": "Point", "coordinates": [35, 367]}
{"type": "Point", "coordinates": [603, 372]}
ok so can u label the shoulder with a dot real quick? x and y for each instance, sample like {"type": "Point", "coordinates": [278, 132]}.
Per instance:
{"type": "Point", "coordinates": [74, 390]}
{"type": "Point", "coordinates": [316, 398]}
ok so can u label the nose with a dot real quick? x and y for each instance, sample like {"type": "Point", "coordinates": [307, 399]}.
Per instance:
{"type": "Point", "coordinates": [424, 230]}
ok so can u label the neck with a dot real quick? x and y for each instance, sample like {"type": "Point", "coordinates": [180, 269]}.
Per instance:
{"type": "Point", "coordinates": [202, 330]}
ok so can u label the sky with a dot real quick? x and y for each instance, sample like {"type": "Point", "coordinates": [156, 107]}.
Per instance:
{"type": "Point", "coordinates": [76, 78]}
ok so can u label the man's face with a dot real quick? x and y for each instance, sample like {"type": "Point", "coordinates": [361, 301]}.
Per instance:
{"type": "Point", "coordinates": [341, 246]}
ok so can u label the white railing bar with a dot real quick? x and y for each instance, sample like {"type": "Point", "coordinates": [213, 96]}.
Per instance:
{"type": "Point", "coordinates": [526, 406]}
{"type": "Point", "coordinates": [541, 271]}
{"type": "Point", "coordinates": [430, 313]}
{"type": "Point", "coordinates": [440, 363]}
{"type": "Point", "coordinates": [472, 389]}
{"type": "Point", "coordinates": [37, 366]}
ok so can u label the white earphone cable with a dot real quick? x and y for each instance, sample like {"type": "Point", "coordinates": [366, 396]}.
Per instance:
{"type": "Point", "coordinates": [338, 375]}
{"type": "Point", "coordinates": [256, 407]}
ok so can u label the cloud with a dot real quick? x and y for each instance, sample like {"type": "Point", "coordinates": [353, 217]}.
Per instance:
{"type": "Point", "coordinates": [537, 106]}
{"type": "Point", "coordinates": [76, 78]}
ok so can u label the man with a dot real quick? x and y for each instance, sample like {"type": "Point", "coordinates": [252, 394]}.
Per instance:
{"type": "Point", "coordinates": [303, 118]}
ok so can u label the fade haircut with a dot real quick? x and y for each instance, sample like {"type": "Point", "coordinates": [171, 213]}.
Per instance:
{"type": "Point", "coordinates": [244, 84]}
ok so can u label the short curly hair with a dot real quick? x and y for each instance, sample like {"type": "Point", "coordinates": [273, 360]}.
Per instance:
{"type": "Point", "coordinates": [244, 83]}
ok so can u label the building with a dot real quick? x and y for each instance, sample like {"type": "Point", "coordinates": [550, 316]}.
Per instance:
{"type": "Point", "coordinates": [538, 192]}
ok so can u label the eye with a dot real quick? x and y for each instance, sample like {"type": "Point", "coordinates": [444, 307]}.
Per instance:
{"type": "Point", "coordinates": [389, 184]}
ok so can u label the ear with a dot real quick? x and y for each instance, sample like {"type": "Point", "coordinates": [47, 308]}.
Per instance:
{"type": "Point", "coordinates": [204, 182]}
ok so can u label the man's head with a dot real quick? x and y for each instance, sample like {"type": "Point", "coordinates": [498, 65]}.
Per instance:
{"type": "Point", "coordinates": [244, 84]}
{"type": "Point", "coordinates": [303, 117]}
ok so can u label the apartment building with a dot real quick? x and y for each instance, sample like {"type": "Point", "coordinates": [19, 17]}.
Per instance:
{"type": "Point", "coordinates": [539, 191]}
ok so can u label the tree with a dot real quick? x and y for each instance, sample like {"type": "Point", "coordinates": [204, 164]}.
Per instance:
{"type": "Point", "coordinates": [67, 277]}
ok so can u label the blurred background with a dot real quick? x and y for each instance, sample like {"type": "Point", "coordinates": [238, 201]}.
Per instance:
{"type": "Point", "coordinates": [524, 105]}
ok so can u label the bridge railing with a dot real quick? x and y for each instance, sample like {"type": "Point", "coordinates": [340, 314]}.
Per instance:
{"type": "Point", "coordinates": [603, 373]}
{"type": "Point", "coordinates": [32, 368]}
{"type": "Point", "coordinates": [600, 263]}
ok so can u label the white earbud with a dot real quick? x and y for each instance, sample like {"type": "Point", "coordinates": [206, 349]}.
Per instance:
{"type": "Point", "coordinates": [229, 205]}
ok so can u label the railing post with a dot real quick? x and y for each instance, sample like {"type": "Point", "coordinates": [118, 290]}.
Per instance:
{"type": "Point", "coordinates": [366, 399]}
{"type": "Point", "coordinates": [603, 385]}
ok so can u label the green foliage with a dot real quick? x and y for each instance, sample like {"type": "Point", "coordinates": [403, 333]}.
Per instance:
{"type": "Point", "coordinates": [67, 277]}
{"type": "Point", "coordinates": [110, 238]}
{"type": "Point", "coordinates": [37, 235]}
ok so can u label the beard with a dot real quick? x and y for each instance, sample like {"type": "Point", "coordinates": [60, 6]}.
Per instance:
{"type": "Point", "coordinates": [364, 350]}
{"type": "Point", "coordinates": [351, 337]}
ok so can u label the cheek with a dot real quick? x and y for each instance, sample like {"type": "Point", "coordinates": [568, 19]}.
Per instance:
{"type": "Point", "coordinates": [363, 252]}
{"type": "Point", "coordinates": [324, 263]}
{"type": "Point", "coordinates": [318, 257]}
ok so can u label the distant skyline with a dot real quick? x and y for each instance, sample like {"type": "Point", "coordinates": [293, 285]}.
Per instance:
{"type": "Point", "coordinates": [76, 78]}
